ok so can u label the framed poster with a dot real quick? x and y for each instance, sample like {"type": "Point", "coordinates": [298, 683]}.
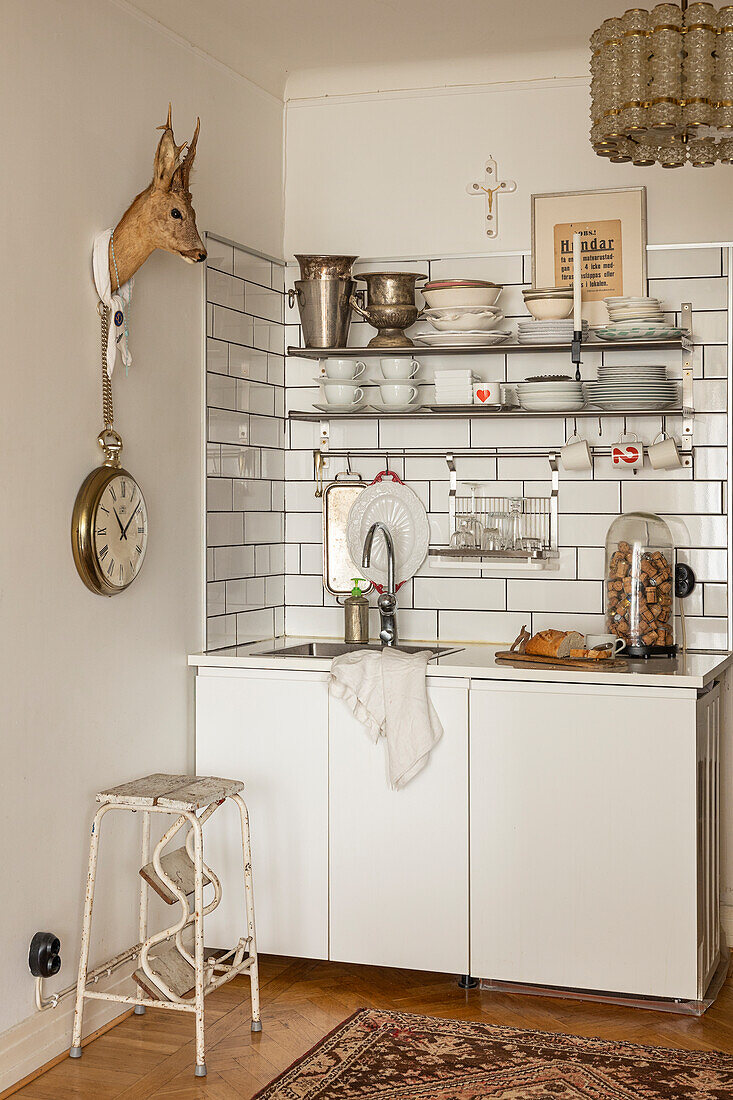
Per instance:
{"type": "Point", "coordinates": [612, 224]}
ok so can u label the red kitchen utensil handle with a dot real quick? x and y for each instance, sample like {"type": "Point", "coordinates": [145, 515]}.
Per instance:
{"type": "Point", "coordinates": [388, 474]}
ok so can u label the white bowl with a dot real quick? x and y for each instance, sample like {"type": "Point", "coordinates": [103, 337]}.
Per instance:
{"type": "Point", "coordinates": [550, 309]}
{"type": "Point", "coordinates": [462, 296]}
{"type": "Point", "coordinates": [464, 320]}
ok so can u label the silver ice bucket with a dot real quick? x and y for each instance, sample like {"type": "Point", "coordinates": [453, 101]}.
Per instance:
{"type": "Point", "coordinates": [325, 311]}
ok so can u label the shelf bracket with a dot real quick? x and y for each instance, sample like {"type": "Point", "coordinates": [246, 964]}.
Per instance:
{"type": "Point", "coordinates": [688, 401]}
{"type": "Point", "coordinates": [491, 187]}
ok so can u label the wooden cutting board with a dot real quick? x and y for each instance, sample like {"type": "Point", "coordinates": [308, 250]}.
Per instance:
{"type": "Point", "coordinates": [533, 660]}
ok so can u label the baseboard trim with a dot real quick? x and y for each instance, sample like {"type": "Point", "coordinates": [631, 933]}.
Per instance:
{"type": "Point", "coordinates": [42, 1040]}
{"type": "Point", "coordinates": [726, 923]}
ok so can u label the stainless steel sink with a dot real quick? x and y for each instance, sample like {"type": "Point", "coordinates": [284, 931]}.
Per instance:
{"type": "Point", "coordinates": [336, 649]}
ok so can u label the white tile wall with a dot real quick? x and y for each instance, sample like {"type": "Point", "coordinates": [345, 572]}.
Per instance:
{"type": "Point", "coordinates": [465, 605]}
{"type": "Point", "coordinates": [245, 459]}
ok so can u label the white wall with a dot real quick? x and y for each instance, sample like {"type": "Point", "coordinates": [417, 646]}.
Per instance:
{"type": "Point", "coordinates": [385, 175]}
{"type": "Point", "coordinates": [95, 691]}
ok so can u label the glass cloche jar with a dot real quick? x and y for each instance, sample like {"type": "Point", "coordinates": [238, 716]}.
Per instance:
{"type": "Point", "coordinates": [639, 584]}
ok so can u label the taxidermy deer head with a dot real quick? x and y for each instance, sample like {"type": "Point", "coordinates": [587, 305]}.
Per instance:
{"type": "Point", "coordinates": [161, 216]}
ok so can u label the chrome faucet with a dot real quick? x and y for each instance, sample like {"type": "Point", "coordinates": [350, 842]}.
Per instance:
{"type": "Point", "coordinates": [387, 602]}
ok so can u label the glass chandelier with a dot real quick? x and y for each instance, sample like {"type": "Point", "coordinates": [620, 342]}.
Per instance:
{"type": "Point", "coordinates": [662, 86]}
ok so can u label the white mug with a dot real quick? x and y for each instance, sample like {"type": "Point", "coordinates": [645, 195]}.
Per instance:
{"type": "Point", "coordinates": [628, 452]}
{"type": "Point", "coordinates": [487, 393]}
{"type": "Point", "coordinates": [599, 641]}
{"type": "Point", "coordinates": [576, 454]}
{"type": "Point", "coordinates": [348, 369]}
{"type": "Point", "coordinates": [664, 453]}
{"type": "Point", "coordinates": [397, 393]}
{"type": "Point", "coordinates": [399, 368]}
{"type": "Point", "coordinates": [341, 394]}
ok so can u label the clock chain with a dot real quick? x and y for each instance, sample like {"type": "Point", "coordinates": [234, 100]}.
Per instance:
{"type": "Point", "coordinates": [108, 413]}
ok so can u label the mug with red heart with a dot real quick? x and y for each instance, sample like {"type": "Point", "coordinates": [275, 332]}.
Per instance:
{"type": "Point", "coordinates": [487, 393]}
{"type": "Point", "coordinates": [628, 453]}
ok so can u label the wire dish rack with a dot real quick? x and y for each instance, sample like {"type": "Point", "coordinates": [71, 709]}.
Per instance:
{"type": "Point", "coordinates": [491, 531]}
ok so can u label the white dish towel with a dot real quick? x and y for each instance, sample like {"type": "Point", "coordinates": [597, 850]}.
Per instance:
{"type": "Point", "coordinates": [387, 692]}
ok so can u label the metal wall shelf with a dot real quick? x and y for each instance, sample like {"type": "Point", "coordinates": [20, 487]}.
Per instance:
{"type": "Point", "coordinates": [420, 352]}
{"type": "Point", "coordinates": [444, 413]}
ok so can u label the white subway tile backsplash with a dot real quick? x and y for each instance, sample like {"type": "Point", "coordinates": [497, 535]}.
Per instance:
{"type": "Point", "coordinates": [232, 326]}
{"type": "Point", "coordinates": [225, 290]}
{"type": "Point", "coordinates": [247, 363]}
{"type": "Point", "coordinates": [264, 303]}
{"type": "Point", "coordinates": [215, 598]}
{"type": "Point", "coordinates": [278, 586]}
{"type": "Point", "coordinates": [577, 596]}
{"type": "Point", "coordinates": [480, 626]}
{"type": "Point", "coordinates": [228, 427]}
{"type": "Point", "coordinates": [221, 391]}
{"type": "Point", "coordinates": [686, 263]}
{"type": "Point", "coordinates": [704, 497]}
{"type": "Point", "coordinates": [225, 528]}
{"type": "Point", "coordinates": [221, 631]}
{"type": "Point", "coordinates": [219, 256]}
{"type": "Point", "coordinates": [253, 268]}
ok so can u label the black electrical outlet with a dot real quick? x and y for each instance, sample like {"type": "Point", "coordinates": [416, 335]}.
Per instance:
{"type": "Point", "coordinates": [44, 957]}
{"type": "Point", "coordinates": [684, 581]}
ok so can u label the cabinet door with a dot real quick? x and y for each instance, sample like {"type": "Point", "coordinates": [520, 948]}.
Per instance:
{"type": "Point", "coordinates": [399, 859]}
{"type": "Point", "coordinates": [583, 837]}
{"type": "Point", "coordinates": [271, 731]}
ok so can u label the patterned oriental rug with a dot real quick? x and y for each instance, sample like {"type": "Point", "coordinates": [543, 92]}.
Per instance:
{"type": "Point", "coordinates": [378, 1055]}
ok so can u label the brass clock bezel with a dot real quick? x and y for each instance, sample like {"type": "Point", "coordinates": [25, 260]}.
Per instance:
{"type": "Point", "coordinates": [82, 529]}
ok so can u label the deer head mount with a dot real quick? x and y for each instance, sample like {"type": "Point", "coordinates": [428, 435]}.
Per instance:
{"type": "Point", "coordinates": [161, 216]}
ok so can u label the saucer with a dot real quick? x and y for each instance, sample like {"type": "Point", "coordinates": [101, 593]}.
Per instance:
{"type": "Point", "coordinates": [339, 408]}
{"type": "Point", "coordinates": [380, 408]}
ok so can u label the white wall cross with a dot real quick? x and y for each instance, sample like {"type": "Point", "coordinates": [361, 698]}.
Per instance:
{"type": "Point", "coordinates": [491, 187]}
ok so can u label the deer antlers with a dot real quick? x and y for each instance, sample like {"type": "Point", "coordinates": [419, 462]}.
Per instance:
{"type": "Point", "coordinates": [170, 173]}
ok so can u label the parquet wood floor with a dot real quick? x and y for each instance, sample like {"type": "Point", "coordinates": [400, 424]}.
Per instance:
{"type": "Point", "coordinates": [153, 1055]}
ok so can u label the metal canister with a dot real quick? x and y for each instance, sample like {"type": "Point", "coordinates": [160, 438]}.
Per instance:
{"type": "Point", "coordinates": [356, 616]}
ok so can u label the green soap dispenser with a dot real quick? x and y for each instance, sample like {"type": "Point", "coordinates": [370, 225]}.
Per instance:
{"type": "Point", "coordinates": [356, 615]}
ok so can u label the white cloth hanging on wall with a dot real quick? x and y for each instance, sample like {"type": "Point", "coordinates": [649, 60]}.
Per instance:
{"type": "Point", "coordinates": [118, 303]}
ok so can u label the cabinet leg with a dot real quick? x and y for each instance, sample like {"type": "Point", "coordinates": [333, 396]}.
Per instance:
{"type": "Point", "coordinates": [466, 981]}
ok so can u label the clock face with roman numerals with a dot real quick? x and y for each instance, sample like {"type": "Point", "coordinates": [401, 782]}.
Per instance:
{"type": "Point", "coordinates": [109, 530]}
{"type": "Point", "coordinates": [120, 531]}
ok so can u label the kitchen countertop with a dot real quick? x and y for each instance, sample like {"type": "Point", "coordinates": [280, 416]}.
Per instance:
{"type": "Point", "coordinates": [477, 661]}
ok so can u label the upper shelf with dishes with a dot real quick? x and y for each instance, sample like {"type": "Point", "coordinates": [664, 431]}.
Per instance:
{"type": "Point", "coordinates": [465, 316]}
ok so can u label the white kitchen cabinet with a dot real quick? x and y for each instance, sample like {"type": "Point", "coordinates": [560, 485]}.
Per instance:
{"type": "Point", "coordinates": [270, 729]}
{"type": "Point", "coordinates": [399, 859]}
{"type": "Point", "coordinates": [594, 837]}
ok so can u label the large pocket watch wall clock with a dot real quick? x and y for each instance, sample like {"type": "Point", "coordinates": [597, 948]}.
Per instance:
{"type": "Point", "coordinates": [109, 524]}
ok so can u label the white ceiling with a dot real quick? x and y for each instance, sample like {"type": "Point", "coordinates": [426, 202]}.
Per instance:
{"type": "Point", "coordinates": [269, 41]}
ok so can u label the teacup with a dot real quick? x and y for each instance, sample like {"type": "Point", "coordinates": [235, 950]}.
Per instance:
{"type": "Point", "coordinates": [487, 393]}
{"type": "Point", "coordinates": [339, 393]}
{"type": "Point", "coordinates": [397, 393]}
{"type": "Point", "coordinates": [344, 368]}
{"type": "Point", "coordinates": [664, 453]}
{"type": "Point", "coordinates": [602, 641]}
{"type": "Point", "coordinates": [576, 454]}
{"type": "Point", "coordinates": [628, 452]}
{"type": "Point", "coordinates": [399, 368]}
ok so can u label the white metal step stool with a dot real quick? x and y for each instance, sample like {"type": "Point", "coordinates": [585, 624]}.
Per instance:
{"type": "Point", "coordinates": [169, 975]}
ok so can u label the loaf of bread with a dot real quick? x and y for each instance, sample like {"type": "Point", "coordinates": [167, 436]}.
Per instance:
{"type": "Point", "coordinates": [554, 643]}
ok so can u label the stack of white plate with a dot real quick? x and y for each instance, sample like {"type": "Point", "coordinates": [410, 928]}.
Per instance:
{"type": "Point", "coordinates": [548, 332]}
{"type": "Point", "coordinates": [462, 339]}
{"type": "Point", "coordinates": [628, 373]}
{"type": "Point", "coordinates": [615, 392]}
{"type": "Point", "coordinates": [628, 308]}
{"type": "Point", "coordinates": [551, 396]}
{"type": "Point", "coordinates": [454, 387]}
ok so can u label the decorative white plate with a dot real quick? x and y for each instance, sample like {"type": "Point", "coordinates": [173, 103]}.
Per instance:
{"type": "Point", "coordinates": [640, 404]}
{"type": "Point", "coordinates": [380, 408]}
{"type": "Point", "coordinates": [628, 331]}
{"type": "Point", "coordinates": [339, 408]}
{"type": "Point", "coordinates": [462, 339]}
{"type": "Point", "coordinates": [403, 514]}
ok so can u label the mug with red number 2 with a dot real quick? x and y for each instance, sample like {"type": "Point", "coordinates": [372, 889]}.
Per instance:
{"type": "Point", "coordinates": [628, 452]}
